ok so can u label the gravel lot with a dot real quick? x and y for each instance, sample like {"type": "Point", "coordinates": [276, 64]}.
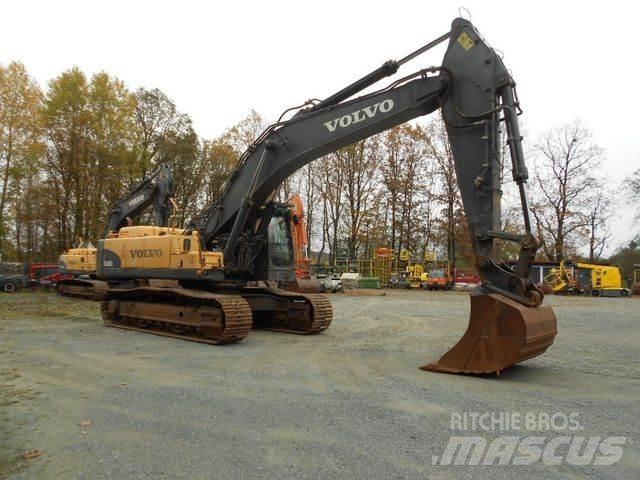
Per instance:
{"type": "Point", "coordinates": [349, 403]}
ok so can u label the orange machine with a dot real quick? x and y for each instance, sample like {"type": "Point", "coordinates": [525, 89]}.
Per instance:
{"type": "Point", "coordinates": [440, 277]}
{"type": "Point", "coordinates": [304, 281]}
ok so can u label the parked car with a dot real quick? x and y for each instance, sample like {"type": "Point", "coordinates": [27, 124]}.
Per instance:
{"type": "Point", "coordinates": [12, 283]}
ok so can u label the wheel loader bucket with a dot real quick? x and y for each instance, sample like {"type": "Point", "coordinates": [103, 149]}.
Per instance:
{"type": "Point", "coordinates": [501, 333]}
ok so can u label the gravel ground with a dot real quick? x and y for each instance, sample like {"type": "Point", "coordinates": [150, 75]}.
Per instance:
{"type": "Point", "coordinates": [349, 403]}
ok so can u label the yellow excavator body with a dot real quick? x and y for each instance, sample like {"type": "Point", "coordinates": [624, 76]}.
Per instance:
{"type": "Point", "coordinates": [78, 261]}
{"type": "Point", "coordinates": [81, 263]}
{"type": "Point", "coordinates": [151, 247]}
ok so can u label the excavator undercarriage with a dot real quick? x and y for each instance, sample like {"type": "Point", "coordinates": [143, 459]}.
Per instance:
{"type": "Point", "coordinates": [195, 315]}
{"type": "Point", "coordinates": [84, 288]}
{"type": "Point", "coordinates": [216, 318]}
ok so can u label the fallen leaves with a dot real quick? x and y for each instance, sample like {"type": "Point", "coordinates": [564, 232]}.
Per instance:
{"type": "Point", "coordinates": [29, 454]}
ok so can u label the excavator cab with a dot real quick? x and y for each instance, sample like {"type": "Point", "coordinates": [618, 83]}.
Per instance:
{"type": "Point", "coordinates": [276, 261]}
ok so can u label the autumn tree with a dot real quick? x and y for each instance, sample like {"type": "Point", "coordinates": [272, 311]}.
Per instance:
{"type": "Point", "coordinates": [218, 159]}
{"type": "Point", "coordinates": [308, 189]}
{"type": "Point", "coordinates": [156, 119]}
{"type": "Point", "coordinates": [111, 107]}
{"type": "Point", "coordinates": [67, 121]}
{"type": "Point", "coordinates": [180, 150]}
{"type": "Point", "coordinates": [406, 179]}
{"type": "Point", "coordinates": [20, 135]}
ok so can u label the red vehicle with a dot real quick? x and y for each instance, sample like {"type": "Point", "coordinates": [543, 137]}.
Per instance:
{"type": "Point", "coordinates": [45, 274]}
{"type": "Point", "coordinates": [462, 277]}
{"type": "Point", "coordinates": [441, 278]}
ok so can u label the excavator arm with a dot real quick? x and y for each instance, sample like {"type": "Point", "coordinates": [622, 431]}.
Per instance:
{"type": "Point", "coordinates": [156, 189]}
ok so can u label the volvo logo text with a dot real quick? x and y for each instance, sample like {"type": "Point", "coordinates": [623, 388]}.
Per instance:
{"type": "Point", "coordinates": [146, 253]}
{"type": "Point", "coordinates": [136, 200]}
{"type": "Point", "coordinates": [359, 115]}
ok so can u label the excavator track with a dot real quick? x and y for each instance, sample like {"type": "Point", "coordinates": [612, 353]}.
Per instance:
{"type": "Point", "coordinates": [188, 314]}
{"type": "Point", "coordinates": [280, 310]}
{"type": "Point", "coordinates": [86, 289]}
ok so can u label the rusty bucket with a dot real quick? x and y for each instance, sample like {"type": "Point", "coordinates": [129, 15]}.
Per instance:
{"type": "Point", "coordinates": [304, 285]}
{"type": "Point", "coordinates": [501, 333]}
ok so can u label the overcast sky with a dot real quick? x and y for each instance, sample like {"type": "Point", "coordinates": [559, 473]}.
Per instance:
{"type": "Point", "coordinates": [218, 60]}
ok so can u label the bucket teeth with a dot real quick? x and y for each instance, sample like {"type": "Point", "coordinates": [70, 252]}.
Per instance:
{"type": "Point", "coordinates": [501, 333]}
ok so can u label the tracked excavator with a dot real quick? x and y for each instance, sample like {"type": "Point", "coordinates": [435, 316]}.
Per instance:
{"type": "Point", "coordinates": [244, 237]}
{"type": "Point", "coordinates": [80, 262]}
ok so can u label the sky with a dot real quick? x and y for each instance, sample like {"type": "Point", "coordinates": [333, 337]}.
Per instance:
{"type": "Point", "coordinates": [218, 60]}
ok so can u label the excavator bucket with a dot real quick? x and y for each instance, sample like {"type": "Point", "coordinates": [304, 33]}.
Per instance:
{"type": "Point", "coordinates": [304, 285]}
{"type": "Point", "coordinates": [501, 333]}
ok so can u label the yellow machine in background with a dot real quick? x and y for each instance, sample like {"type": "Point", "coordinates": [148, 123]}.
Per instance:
{"type": "Point", "coordinates": [561, 279]}
{"type": "Point", "coordinates": [80, 260]}
{"type": "Point", "coordinates": [415, 273]}
{"type": "Point", "coordinates": [606, 281]}
{"type": "Point", "coordinates": [81, 263]}
{"type": "Point", "coordinates": [586, 278]}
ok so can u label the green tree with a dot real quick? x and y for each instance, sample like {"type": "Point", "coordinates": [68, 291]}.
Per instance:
{"type": "Point", "coordinates": [89, 130]}
{"type": "Point", "coordinates": [112, 122]}
{"type": "Point", "coordinates": [157, 120]}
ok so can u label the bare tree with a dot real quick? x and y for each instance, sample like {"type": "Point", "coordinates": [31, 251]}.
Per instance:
{"type": "Point", "coordinates": [439, 149]}
{"type": "Point", "coordinates": [330, 182]}
{"type": "Point", "coordinates": [311, 197]}
{"type": "Point", "coordinates": [359, 163]}
{"type": "Point", "coordinates": [563, 183]}
{"type": "Point", "coordinates": [599, 229]}
{"type": "Point", "coordinates": [633, 184]}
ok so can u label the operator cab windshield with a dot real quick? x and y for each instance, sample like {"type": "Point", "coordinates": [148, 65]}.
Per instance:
{"type": "Point", "coordinates": [280, 248]}
{"type": "Point", "coordinates": [437, 273]}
